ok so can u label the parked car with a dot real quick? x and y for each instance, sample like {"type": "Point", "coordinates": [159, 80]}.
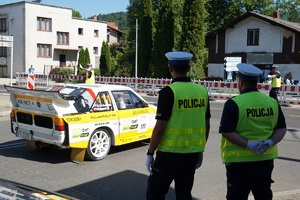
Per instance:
{"type": "Point", "coordinates": [89, 119]}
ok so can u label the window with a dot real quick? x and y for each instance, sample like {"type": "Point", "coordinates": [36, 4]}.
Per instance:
{"type": "Point", "coordinates": [128, 98]}
{"type": "Point", "coordinates": [44, 24]}
{"type": "Point", "coordinates": [102, 102]}
{"type": "Point", "coordinates": [95, 50]}
{"type": "Point", "coordinates": [44, 50]}
{"type": "Point", "coordinates": [62, 38]}
{"type": "Point", "coordinates": [3, 25]}
{"type": "Point", "coordinates": [253, 37]}
{"type": "Point", "coordinates": [3, 51]}
{"type": "Point", "coordinates": [80, 31]}
{"type": "Point", "coordinates": [96, 33]}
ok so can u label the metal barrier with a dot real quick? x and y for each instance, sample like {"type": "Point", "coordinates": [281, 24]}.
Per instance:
{"type": "Point", "coordinates": [217, 90]}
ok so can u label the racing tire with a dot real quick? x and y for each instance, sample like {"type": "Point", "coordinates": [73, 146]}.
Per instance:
{"type": "Point", "coordinates": [99, 145]}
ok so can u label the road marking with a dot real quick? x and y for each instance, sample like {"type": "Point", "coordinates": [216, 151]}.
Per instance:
{"type": "Point", "coordinates": [294, 115]}
{"type": "Point", "coordinates": [12, 145]}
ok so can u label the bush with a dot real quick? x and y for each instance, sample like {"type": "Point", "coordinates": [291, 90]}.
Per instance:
{"type": "Point", "coordinates": [65, 71]}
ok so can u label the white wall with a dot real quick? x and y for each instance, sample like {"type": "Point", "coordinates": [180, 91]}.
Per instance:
{"type": "Point", "coordinates": [236, 38]}
{"type": "Point", "coordinates": [293, 68]}
{"type": "Point", "coordinates": [15, 24]}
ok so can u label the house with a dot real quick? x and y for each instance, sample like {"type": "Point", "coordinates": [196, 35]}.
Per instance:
{"type": "Point", "coordinates": [256, 39]}
{"type": "Point", "coordinates": [113, 33]}
{"type": "Point", "coordinates": [45, 36]}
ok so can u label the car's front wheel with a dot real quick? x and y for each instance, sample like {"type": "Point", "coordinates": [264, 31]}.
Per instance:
{"type": "Point", "coordinates": [99, 145]}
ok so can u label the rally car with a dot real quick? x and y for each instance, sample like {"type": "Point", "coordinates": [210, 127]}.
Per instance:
{"type": "Point", "coordinates": [89, 119]}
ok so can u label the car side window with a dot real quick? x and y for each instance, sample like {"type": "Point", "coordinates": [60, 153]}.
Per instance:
{"type": "Point", "coordinates": [126, 99]}
{"type": "Point", "coordinates": [102, 102]}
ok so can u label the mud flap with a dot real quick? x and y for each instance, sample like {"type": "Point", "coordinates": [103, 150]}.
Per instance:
{"type": "Point", "coordinates": [31, 144]}
{"type": "Point", "coordinates": [77, 154]}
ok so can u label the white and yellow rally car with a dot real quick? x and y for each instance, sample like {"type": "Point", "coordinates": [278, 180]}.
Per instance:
{"type": "Point", "coordinates": [87, 118]}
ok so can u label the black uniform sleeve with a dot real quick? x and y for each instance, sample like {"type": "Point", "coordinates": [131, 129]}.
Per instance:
{"type": "Point", "coordinates": [229, 117]}
{"type": "Point", "coordinates": [208, 115]}
{"type": "Point", "coordinates": [165, 104]}
{"type": "Point", "coordinates": [278, 75]}
{"type": "Point", "coordinates": [281, 119]}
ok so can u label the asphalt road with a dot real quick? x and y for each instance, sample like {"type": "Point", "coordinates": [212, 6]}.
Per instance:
{"type": "Point", "coordinates": [122, 174]}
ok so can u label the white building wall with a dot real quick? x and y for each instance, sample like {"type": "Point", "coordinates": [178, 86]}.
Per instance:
{"type": "Point", "coordinates": [293, 68]}
{"type": "Point", "coordinates": [26, 36]}
{"type": "Point", "coordinates": [16, 28]}
{"type": "Point", "coordinates": [236, 38]}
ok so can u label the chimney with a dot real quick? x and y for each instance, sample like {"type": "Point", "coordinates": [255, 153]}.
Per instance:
{"type": "Point", "coordinates": [276, 15]}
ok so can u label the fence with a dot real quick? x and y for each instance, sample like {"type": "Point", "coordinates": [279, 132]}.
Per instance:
{"type": "Point", "coordinates": [217, 90]}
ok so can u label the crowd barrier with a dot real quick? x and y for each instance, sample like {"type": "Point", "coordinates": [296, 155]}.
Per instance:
{"type": "Point", "coordinates": [218, 90]}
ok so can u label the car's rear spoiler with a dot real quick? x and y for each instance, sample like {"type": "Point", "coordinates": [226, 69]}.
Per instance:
{"type": "Point", "coordinates": [48, 100]}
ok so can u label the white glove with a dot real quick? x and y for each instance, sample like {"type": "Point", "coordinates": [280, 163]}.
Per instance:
{"type": "Point", "coordinates": [265, 145]}
{"type": "Point", "coordinates": [269, 76]}
{"type": "Point", "coordinates": [80, 66]}
{"type": "Point", "coordinates": [149, 163]}
{"type": "Point", "coordinates": [200, 158]}
{"type": "Point", "coordinates": [255, 146]}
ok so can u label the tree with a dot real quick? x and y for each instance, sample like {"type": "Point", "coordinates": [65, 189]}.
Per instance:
{"type": "Point", "coordinates": [81, 59]}
{"type": "Point", "coordinates": [76, 14]}
{"type": "Point", "coordinates": [289, 9]}
{"type": "Point", "coordinates": [163, 40]}
{"type": "Point", "coordinates": [221, 12]}
{"type": "Point", "coordinates": [105, 59]}
{"type": "Point", "coordinates": [87, 56]}
{"type": "Point", "coordinates": [193, 34]}
{"type": "Point", "coordinates": [145, 38]}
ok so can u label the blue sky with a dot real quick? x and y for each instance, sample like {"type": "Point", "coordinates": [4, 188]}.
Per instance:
{"type": "Point", "coordinates": [87, 8]}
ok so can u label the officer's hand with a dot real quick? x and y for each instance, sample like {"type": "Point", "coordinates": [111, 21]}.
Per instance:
{"type": "Point", "coordinates": [80, 66]}
{"type": "Point", "coordinates": [149, 163]}
{"type": "Point", "coordinates": [255, 146]}
{"type": "Point", "coordinates": [200, 158]}
{"type": "Point", "coordinates": [269, 76]}
{"type": "Point", "coordinates": [265, 145]}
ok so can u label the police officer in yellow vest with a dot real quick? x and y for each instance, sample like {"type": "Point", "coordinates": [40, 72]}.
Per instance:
{"type": "Point", "coordinates": [252, 124]}
{"type": "Point", "coordinates": [180, 133]}
{"type": "Point", "coordinates": [276, 82]}
{"type": "Point", "coordinates": [90, 74]}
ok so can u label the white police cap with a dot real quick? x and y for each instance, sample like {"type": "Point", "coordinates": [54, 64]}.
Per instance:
{"type": "Point", "coordinates": [179, 58]}
{"type": "Point", "coordinates": [248, 71]}
{"type": "Point", "coordinates": [89, 64]}
{"type": "Point", "coordinates": [274, 66]}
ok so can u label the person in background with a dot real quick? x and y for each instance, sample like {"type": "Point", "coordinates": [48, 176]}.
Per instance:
{"type": "Point", "coordinates": [90, 74]}
{"type": "Point", "coordinates": [276, 82]}
{"type": "Point", "coordinates": [31, 70]}
{"type": "Point", "coordinates": [180, 133]}
{"type": "Point", "coordinates": [251, 125]}
{"type": "Point", "coordinates": [120, 101]}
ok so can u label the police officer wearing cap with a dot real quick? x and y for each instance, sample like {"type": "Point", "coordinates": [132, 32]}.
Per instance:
{"type": "Point", "coordinates": [90, 74]}
{"type": "Point", "coordinates": [252, 124]}
{"type": "Point", "coordinates": [276, 82]}
{"type": "Point", "coordinates": [180, 133]}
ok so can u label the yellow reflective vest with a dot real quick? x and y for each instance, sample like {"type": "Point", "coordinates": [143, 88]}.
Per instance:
{"type": "Point", "coordinates": [258, 116]}
{"type": "Point", "coordinates": [90, 80]}
{"type": "Point", "coordinates": [276, 82]}
{"type": "Point", "coordinates": [186, 128]}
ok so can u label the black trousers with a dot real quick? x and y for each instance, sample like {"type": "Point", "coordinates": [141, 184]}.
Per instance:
{"type": "Point", "coordinates": [249, 176]}
{"type": "Point", "coordinates": [274, 93]}
{"type": "Point", "coordinates": [168, 167]}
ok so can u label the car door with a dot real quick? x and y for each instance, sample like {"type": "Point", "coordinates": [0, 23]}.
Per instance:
{"type": "Point", "coordinates": [136, 119]}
